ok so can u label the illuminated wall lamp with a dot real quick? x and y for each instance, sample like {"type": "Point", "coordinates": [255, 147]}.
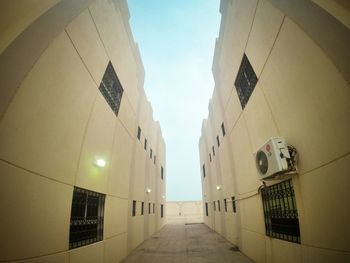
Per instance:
{"type": "Point", "coordinates": [100, 163]}
{"type": "Point", "coordinates": [148, 190]}
{"type": "Point", "coordinates": [218, 187]}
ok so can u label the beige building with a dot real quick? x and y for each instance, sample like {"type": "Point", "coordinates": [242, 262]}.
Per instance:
{"type": "Point", "coordinates": [184, 212]}
{"type": "Point", "coordinates": [281, 69]}
{"type": "Point", "coordinates": [82, 162]}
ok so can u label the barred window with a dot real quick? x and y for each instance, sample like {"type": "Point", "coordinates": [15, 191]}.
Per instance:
{"type": "Point", "coordinates": [86, 222]}
{"type": "Point", "coordinates": [111, 88]}
{"type": "Point", "coordinates": [133, 208]}
{"type": "Point", "coordinates": [139, 133]}
{"type": "Point", "coordinates": [280, 211]}
{"type": "Point", "coordinates": [245, 81]}
{"type": "Point", "coordinates": [233, 204]}
{"type": "Point", "coordinates": [223, 129]}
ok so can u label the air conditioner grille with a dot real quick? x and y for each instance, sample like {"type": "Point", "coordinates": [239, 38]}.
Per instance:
{"type": "Point", "coordinates": [262, 162]}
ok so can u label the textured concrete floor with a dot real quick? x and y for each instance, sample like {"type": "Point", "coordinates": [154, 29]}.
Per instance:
{"type": "Point", "coordinates": [186, 243]}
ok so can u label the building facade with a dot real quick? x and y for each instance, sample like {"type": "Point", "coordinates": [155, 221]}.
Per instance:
{"type": "Point", "coordinates": [82, 162]}
{"type": "Point", "coordinates": [281, 69]}
{"type": "Point", "coordinates": [184, 212]}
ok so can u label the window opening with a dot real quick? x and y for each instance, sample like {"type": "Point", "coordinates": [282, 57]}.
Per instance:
{"type": "Point", "coordinates": [280, 212]}
{"type": "Point", "coordinates": [133, 208]}
{"type": "Point", "coordinates": [245, 81]}
{"type": "Point", "coordinates": [111, 88]}
{"type": "Point", "coordinates": [87, 213]}
{"type": "Point", "coordinates": [234, 204]}
{"type": "Point", "coordinates": [139, 133]}
{"type": "Point", "coordinates": [223, 129]}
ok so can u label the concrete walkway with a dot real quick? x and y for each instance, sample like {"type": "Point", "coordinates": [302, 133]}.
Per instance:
{"type": "Point", "coordinates": [186, 243]}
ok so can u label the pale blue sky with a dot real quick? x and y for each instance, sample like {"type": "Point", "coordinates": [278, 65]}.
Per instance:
{"type": "Point", "coordinates": [176, 40]}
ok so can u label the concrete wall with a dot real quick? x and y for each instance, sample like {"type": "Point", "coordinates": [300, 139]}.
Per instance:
{"type": "Point", "coordinates": [184, 212]}
{"type": "Point", "coordinates": [302, 94]}
{"type": "Point", "coordinates": [55, 123]}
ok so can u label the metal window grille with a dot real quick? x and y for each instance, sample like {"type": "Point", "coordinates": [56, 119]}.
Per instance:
{"type": "Point", "coordinates": [219, 205]}
{"type": "Point", "coordinates": [161, 210]}
{"type": "Point", "coordinates": [203, 170]}
{"type": "Point", "coordinates": [218, 140]}
{"type": "Point", "coordinates": [225, 204]}
{"type": "Point", "coordinates": [142, 207]}
{"type": "Point", "coordinates": [245, 81]}
{"type": "Point", "coordinates": [133, 208]}
{"type": "Point", "coordinates": [213, 150]}
{"type": "Point", "coordinates": [280, 211]}
{"type": "Point", "coordinates": [223, 129]}
{"type": "Point", "coordinates": [139, 133]}
{"type": "Point", "coordinates": [111, 88]}
{"type": "Point", "coordinates": [233, 204]}
{"type": "Point", "coordinates": [86, 223]}
{"type": "Point", "coordinates": [206, 209]}
{"type": "Point", "coordinates": [161, 172]}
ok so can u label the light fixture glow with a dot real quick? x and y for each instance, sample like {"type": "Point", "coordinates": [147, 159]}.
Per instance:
{"type": "Point", "coordinates": [218, 187]}
{"type": "Point", "coordinates": [100, 163]}
{"type": "Point", "coordinates": [148, 190]}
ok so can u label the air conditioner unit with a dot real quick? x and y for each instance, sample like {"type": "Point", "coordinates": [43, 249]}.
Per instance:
{"type": "Point", "coordinates": [275, 158]}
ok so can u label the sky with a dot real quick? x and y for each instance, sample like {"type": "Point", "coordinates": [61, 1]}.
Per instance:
{"type": "Point", "coordinates": [176, 39]}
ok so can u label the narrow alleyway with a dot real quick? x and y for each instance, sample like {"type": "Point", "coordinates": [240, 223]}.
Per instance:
{"type": "Point", "coordinates": [186, 243]}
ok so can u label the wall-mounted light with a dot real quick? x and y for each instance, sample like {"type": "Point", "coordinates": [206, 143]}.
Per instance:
{"type": "Point", "coordinates": [148, 190]}
{"type": "Point", "coordinates": [100, 162]}
{"type": "Point", "coordinates": [218, 187]}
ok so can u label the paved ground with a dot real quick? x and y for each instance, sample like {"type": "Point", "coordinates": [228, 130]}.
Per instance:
{"type": "Point", "coordinates": [186, 243]}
